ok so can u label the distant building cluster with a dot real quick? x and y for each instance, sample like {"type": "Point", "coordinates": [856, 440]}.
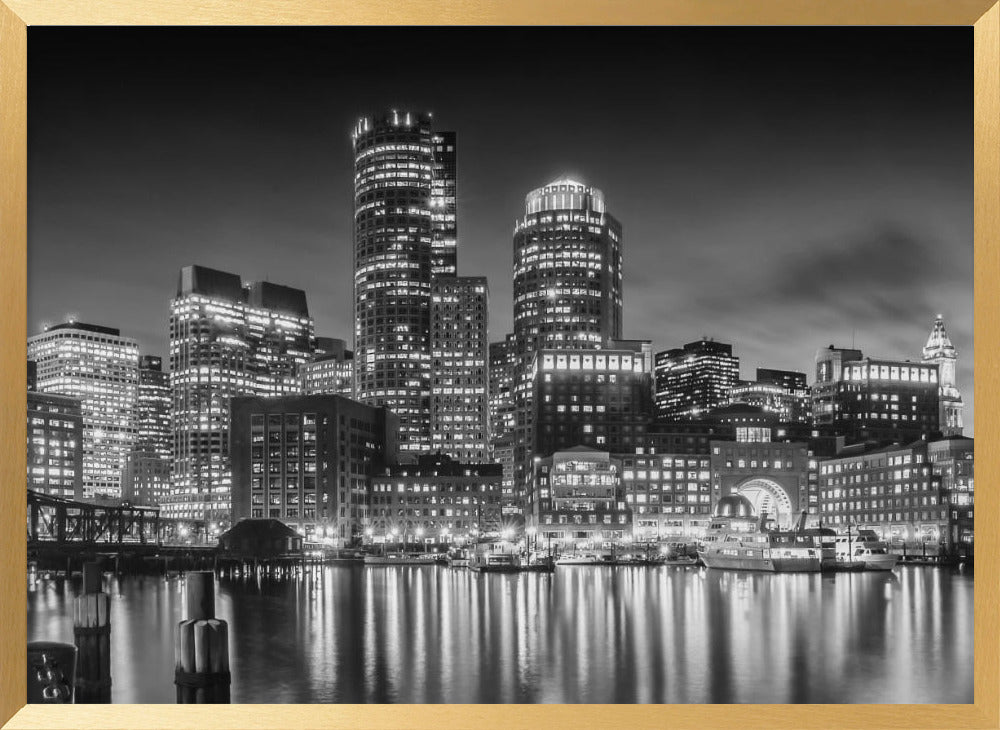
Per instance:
{"type": "Point", "coordinates": [427, 432]}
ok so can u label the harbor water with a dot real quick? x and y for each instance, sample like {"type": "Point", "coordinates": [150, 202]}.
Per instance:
{"type": "Point", "coordinates": [597, 634]}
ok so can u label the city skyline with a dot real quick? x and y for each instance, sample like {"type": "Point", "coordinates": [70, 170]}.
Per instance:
{"type": "Point", "coordinates": [895, 213]}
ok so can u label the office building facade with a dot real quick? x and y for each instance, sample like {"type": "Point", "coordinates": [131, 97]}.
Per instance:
{"type": "Point", "coordinates": [99, 367]}
{"type": "Point", "coordinates": [405, 231]}
{"type": "Point", "coordinates": [459, 404]}
{"type": "Point", "coordinates": [330, 371]}
{"type": "Point", "coordinates": [437, 500]}
{"type": "Point", "coordinates": [55, 445]}
{"type": "Point", "coordinates": [146, 479]}
{"type": "Point", "coordinates": [227, 339]}
{"type": "Point", "coordinates": [307, 461]}
{"type": "Point", "coordinates": [692, 380]}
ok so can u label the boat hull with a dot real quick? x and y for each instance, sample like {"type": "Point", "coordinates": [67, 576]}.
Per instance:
{"type": "Point", "coordinates": [761, 563]}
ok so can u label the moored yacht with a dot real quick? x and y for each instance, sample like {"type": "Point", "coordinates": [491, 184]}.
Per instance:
{"type": "Point", "coordinates": [737, 540]}
{"type": "Point", "coordinates": [864, 547]}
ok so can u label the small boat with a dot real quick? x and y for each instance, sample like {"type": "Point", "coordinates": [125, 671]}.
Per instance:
{"type": "Point", "coordinates": [584, 559]}
{"type": "Point", "coordinates": [401, 559]}
{"type": "Point", "coordinates": [495, 562]}
{"type": "Point", "coordinates": [539, 563]}
{"type": "Point", "coordinates": [864, 547]}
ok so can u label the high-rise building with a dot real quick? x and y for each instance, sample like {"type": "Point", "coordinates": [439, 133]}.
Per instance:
{"type": "Point", "coordinates": [330, 371]}
{"type": "Point", "coordinates": [307, 461]}
{"type": "Point", "coordinates": [829, 368]}
{"type": "Point", "coordinates": [404, 232]}
{"type": "Point", "coordinates": [99, 367]}
{"type": "Point", "coordinates": [868, 399]}
{"type": "Point", "coordinates": [694, 379]}
{"type": "Point", "coordinates": [459, 352]}
{"type": "Point", "coordinates": [783, 393]}
{"type": "Point", "coordinates": [567, 271]}
{"type": "Point", "coordinates": [226, 339]}
{"type": "Point", "coordinates": [503, 362]}
{"type": "Point", "coordinates": [600, 399]}
{"type": "Point", "coordinates": [444, 208]}
{"type": "Point", "coordinates": [567, 288]}
{"type": "Point", "coordinates": [942, 353]}
{"type": "Point", "coordinates": [55, 445]}
{"type": "Point", "coordinates": [147, 470]}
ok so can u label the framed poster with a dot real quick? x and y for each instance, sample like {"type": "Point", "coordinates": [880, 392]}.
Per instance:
{"type": "Point", "coordinates": [723, 152]}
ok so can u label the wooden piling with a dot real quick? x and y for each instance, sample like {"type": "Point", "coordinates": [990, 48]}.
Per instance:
{"type": "Point", "coordinates": [92, 636]}
{"type": "Point", "coordinates": [201, 646]}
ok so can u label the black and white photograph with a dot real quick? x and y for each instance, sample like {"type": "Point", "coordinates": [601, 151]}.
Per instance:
{"type": "Point", "coordinates": [615, 365]}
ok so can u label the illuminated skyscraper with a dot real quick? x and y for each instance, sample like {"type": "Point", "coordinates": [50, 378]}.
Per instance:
{"type": "Point", "coordinates": [694, 379]}
{"type": "Point", "coordinates": [226, 339]}
{"type": "Point", "coordinates": [941, 352]}
{"type": "Point", "coordinates": [503, 361]}
{"type": "Point", "coordinates": [99, 367]}
{"type": "Point", "coordinates": [444, 208]}
{"type": "Point", "coordinates": [567, 287]}
{"type": "Point", "coordinates": [330, 371]}
{"type": "Point", "coordinates": [147, 470]}
{"type": "Point", "coordinates": [459, 352]}
{"type": "Point", "coordinates": [567, 271]}
{"type": "Point", "coordinates": [404, 233]}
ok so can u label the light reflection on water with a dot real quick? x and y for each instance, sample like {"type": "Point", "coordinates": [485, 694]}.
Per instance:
{"type": "Point", "coordinates": [584, 634]}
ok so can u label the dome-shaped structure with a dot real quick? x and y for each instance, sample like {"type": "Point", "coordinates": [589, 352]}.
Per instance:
{"type": "Point", "coordinates": [734, 505]}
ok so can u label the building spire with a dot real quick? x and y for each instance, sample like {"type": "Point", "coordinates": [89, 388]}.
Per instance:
{"type": "Point", "coordinates": [938, 343]}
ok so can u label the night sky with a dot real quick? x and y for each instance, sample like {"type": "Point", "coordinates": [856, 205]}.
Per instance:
{"type": "Point", "coordinates": [780, 190]}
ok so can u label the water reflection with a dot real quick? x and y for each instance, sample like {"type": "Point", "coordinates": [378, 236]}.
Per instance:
{"type": "Point", "coordinates": [584, 634]}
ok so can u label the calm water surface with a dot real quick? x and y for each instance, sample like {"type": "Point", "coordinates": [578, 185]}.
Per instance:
{"type": "Point", "coordinates": [583, 634]}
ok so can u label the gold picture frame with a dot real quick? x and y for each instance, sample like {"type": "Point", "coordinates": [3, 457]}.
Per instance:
{"type": "Point", "coordinates": [17, 15]}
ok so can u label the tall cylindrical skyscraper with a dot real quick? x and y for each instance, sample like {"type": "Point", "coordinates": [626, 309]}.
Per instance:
{"type": "Point", "coordinates": [567, 289]}
{"type": "Point", "coordinates": [567, 270]}
{"type": "Point", "coordinates": [395, 196]}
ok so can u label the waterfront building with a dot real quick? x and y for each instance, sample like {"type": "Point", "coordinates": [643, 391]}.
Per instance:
{"type": "Point", "coordinates": [307, 460]}
{"type": "Point", "coordinates": [330, 371]}
{"type": "Point", "coordinates": [901, 493]}
{"type": "Point", "coordinates": [459, 406]}
{"type": "Point", "coordinates": [436, 500]}
{"type": "Point", "coordinates": [503, 364]}
{"type": "Point", "coordinates": [669, 494]}
{"type": "Point", "coordinates": [146, 479]}
{"type": "Point", "coordinates": [404, 233]}
{"type": "Point", "coordinates": [877, 400]}
{"type": "Point", "coordinates": [98, 366]}
{"type": "Point", "coordinates": [55, 445]}
{"type": "Point", "coordinates": [577, 501]}
{"type": "Point", "coordinates": [694, 379]}
{"type": "Point", "coordinates": [226, 339]}
{"type": "Point", "coordinates": [939, 351]}
{"type": "Point", "coordinates": [952, 461]}
{"type": "Point", "coordinates": [773, 476]}
{"type": "Point", "coordinates": [781, 392]}
{"type": "Point", "coordinates": [567, 287]}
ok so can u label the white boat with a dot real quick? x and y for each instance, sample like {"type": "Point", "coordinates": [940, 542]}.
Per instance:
{"type": "Point", "coordinates": [864, 547]}
{"type": "Point", "coordinates": [400, 559]}
{"type": "Point", "coordinates": [583, 559]}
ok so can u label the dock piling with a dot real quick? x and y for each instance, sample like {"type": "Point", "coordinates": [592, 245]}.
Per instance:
{"type": "Point", "coordinates": [92, 637]}
{"type": "Point", "coordinates": [201, 646]}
